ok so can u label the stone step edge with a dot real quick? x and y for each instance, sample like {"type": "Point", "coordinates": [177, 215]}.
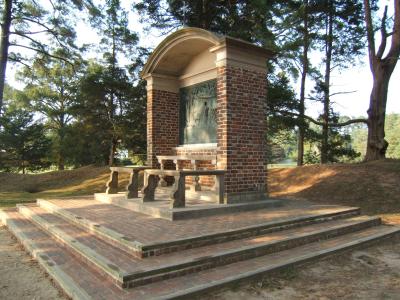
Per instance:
{"type": "Point", "coordinates": [66, 283]}
{"type": "Point", "coordinates": [126, 279]}
{"type": "Point", "coordinates": [246, 252]}
{"type": "Point", "coordinates": [253, 230]}
{"type": "Point", "coordinates": [109, 235]}
{"type": "Point", "coordinates": [99, 262]}
{"type": "Point", "coordinates": [295, 262]}
{"type": "Point", "coordinates": [142, 250]}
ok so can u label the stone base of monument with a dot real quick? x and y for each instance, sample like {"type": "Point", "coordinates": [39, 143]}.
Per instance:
{"type": "Point", "coordinates": [198, 204]}
{"type": "Point", "coordinates": [95, 250]}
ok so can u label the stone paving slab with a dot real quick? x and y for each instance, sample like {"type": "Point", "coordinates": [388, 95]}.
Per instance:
{"type": "Point", "coordinates": [128, 270]}
{"type": "Point", "coordinates": [147, 230]}
{"type": "Point", "coordinates": [81, 282]}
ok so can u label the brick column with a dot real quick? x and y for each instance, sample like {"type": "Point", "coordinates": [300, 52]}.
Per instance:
{"type": "Point", "coordinates": [162, 123]}
{"type": "Point", "coordinates": [241, 117]}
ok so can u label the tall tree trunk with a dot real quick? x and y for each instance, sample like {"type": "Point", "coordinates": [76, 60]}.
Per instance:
{"type": "Point", "coordinates": [4, 44]}
{"type": "Point", "coordinates": [113, 150]}
{"type": "Point", "coordinates": [61, 163]}
{"type": "Point", "coordinates": [376, 143]}
{"type": "Point", "coordinates": [328, 59]}
{"type": "Point", "coordinates": [300, 139]}
{"type": "Point", "coordinates": [382, 69]}
{"type": "Point", "coordinates": [61, 156]}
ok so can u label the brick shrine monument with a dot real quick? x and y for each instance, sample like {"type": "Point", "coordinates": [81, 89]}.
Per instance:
{"type": "Point", "coordinates": [206, 96]}
{"type": "Point", "coordinates": [202, 219]}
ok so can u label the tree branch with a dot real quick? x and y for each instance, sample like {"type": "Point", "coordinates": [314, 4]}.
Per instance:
{"type": "Point", "coordinates": [341, 93]}
{"type": "Point", "coordinates": [40, 45]}
{"type": "Point", "coordinates": [394, 50]}
{"type": "Point", "coordinates": [28, 32]}
{"type": "Point", "coordinates": [49, 30]}
{"type": "Point", "coordinates": [43, 52]}
{"type": "Point", "coordinates": [370, 35]}
{"type": "Point", "coordinates": [365, 121]}
{"type": "Point", "coordinates": [382, 46]}
{"type": "Point", "coordinates": [19, 61]}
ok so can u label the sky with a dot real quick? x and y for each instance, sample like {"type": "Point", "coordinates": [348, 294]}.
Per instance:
{"type": "Point", "coordinates": [357, 79]}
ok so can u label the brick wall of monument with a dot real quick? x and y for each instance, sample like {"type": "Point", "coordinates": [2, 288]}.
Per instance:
{"type": "Point", "coordinates": [241, 97]}
{"type": "Point", "coordinates": [162, 124]}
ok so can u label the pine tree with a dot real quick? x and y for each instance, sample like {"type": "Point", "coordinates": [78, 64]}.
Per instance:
{"type": "Point", "coordinates": [24, 145]}
{"type": "Point", "coordinates": [27, 26]}
{"type": "Point", "coordinates": [51, 90]}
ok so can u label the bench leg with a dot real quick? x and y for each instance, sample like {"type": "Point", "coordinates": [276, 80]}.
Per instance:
{"type": "Point", "coordinates": [178, 193]}
{"type": "Point", "coordinates": [133, 185]}
{"type": "Point", "coordinates": [196, 187]}
{"type": "Point", "coordinates": [162, 182]}
{"type": "Point", "coordinates": [219, 187]}
{"type": "Point", "coordinates": [150, 188]}
{"type": "Point", "coordinates": [112, 184]}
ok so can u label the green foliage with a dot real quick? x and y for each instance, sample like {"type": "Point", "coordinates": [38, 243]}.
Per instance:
{"type": "Point", "coordinates": [247, 20]}
{"type": "Point", "coordinates": [51, 90]}
{"type": "Point", "coordinates": [348, 30]}
{"type": "Point", "coordinates": [112, 110]}
{"type": "Point", "coordinates": [311, 156]}
{"type": "Point", "coordinates": [281, 103]}
{"type": "Point", "coordinates": [36, 21]}
{"type": "Point", "coordinates": [392, 126]}
{"type": "Point", "coordinates": [359, 133]}
{"type": "Point", "coordinates": [23, 142]}
{"type": "Point", "coordinates": [111, 103]}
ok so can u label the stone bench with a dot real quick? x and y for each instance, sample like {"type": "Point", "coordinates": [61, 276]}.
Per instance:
{"type": "Point", "coordinates": [177, 195]}
{"type": "Point", "coordinates": [193, 161]}
{"type": "Point", "coordinates": [133, 185]}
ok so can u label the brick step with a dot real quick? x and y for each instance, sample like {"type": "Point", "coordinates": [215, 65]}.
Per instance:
{"type": "Point", "coordinates": [80, 281]}
{"type": "Point", "coordinates": [107, 234]}
{"type": "Point", "coordinates": [142, 250]}
{"type": "Point", "coordinates": [106, 258]}
{"type": "Point", "coordinates": [128, 271]}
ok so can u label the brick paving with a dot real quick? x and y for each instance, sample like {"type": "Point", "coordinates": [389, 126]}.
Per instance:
{"type": "Point", "coordinates": [130, 264]}
{"type": "Point", "coordinates": [149, 230]}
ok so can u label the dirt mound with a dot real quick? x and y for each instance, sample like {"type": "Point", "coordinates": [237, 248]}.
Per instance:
{"type": "Point", "coordinates": [81, 178]}
{"type": "Point", "coordinates": [373, 186]}
{"type": "Point", "coordinates": [18, 188]}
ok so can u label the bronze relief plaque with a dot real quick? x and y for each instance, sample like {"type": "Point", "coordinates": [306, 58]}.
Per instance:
{"type": "Point", "coordinates": [197, 115]}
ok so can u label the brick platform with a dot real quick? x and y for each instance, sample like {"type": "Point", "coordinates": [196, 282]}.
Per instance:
{"type": "Point", "coordinates": [198, 204]}
{"type": "Point", "coordinates": [100, 251]}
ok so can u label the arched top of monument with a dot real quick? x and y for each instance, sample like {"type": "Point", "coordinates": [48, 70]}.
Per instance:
{"type": "Point", "coordinates": [177, 50]}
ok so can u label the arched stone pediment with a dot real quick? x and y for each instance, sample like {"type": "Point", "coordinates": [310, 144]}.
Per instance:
{"type": "Point", "coordinates": [175, 53]}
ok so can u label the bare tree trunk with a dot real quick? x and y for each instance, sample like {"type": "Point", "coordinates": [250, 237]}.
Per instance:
{"type": "Point", "coordinates": [328, 59]}
{"type": "Point", "coordinates": [61, 156]}
{"type": "Point", "coordinates": [4, 44]}
{"type": "Point", "coordinates": [113, 150]}
{"type": "Point", "coordinates": [376, 143]}
{"type": "Point", "coordinates": [61, 163]}
{"type": "Point", "coordinates": [300, 139]}
{"type": "Point", "coordinates": [382, 69]}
